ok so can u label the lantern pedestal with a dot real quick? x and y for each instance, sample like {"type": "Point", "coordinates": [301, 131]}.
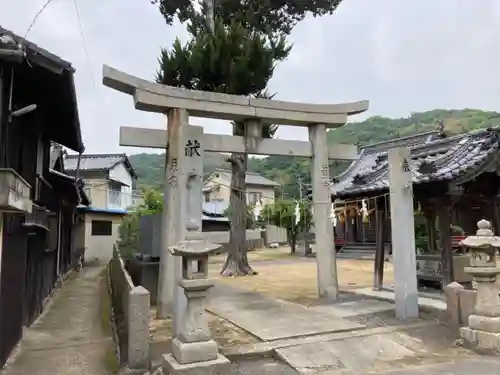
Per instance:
{"type": "Point", "coordinates": [484, 325]}
{"type": "Point", "coordinates": [193, 350]}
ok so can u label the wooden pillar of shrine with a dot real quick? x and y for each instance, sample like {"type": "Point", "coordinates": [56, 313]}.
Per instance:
{"type": "Point", "coordinates": [380, 236]}
{"type": "Point", "coordinates": [491, 202]}
{"type": "Point", "coordinates": [443, 209]}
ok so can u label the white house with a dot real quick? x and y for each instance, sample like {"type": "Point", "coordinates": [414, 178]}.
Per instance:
{"type": "Point", "coordinates": [109, 183]}
{"type": "Point", "coordinates": [217, 188]}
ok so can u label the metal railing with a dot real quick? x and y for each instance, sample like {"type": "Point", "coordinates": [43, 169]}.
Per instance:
{"type": "Point", "coordinates": [112, 199]}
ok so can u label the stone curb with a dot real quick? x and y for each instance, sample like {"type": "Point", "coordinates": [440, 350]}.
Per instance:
{"type": "Point", "coordinates": [425, 304]}
{"type": "Point", "coordinates": [114, 328]}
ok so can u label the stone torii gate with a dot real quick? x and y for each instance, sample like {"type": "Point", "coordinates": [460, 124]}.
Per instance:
{"type": "Point", "coordinates": [178, 104]}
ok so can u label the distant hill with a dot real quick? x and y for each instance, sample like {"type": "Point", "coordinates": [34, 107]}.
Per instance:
{"type": "Point", "coordinates": [150, 167]}
{"type": "Point", "coordinates": [286, 170]}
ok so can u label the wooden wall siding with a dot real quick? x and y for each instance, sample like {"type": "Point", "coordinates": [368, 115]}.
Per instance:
{"type": "Point", "coordinates": [29, 272]}
{"type": "Point", "coordinates": [66, 261]}
{"type": "Point", "coordinates": [40, 276]}
{"type": "Point", "coordinates": [12, 279]}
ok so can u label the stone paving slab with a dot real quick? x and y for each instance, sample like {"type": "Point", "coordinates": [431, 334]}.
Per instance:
{"type": "Point", "coordinates": [264, 366]}
{"type": "Point", "coordinates": [479, 366]}
{"type": "Point", "coordinates": [476, 366]}
{"type": "Point", "coordinates": [356, 354]}
{"type": "Point", "coordinates": [400, 349]}
{"type": "Point", "coordinates": [266, 348]}
{"type": "Point", "coordinates": [272, 319]}
{"type": "Point", "coordinates": [435, 304]}
{"type": "Point", "coordinates": [354, 308]}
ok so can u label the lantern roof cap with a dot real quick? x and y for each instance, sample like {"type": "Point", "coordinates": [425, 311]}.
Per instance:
{"type": "Point", "coordinates": [484, 237]}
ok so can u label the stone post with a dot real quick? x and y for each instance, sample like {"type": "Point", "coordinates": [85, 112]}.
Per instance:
{"type": "Point", "coordinates": [403, 233]}
{"type": "Point", "coordinates": [322, 201]}
{"type": "Point", "coordinates": [174, 215]}
{"type": "Point", "coordinates": [138, 328]}
{"type": "Point", "coordinates": [193, 164]}
{"type": "Point", "coordinates": [484, 325]}
{"type": "Point", "coordinates": [193, 349]}
{"type": "Point", "coordinates": [452, 292]}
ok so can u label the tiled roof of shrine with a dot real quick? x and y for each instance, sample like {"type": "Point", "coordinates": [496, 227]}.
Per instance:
{"type": "Point", "coordinates": [455, 159]}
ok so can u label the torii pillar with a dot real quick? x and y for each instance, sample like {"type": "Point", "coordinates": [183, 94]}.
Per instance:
{"type": "Point", "coordinates": [180, 103]}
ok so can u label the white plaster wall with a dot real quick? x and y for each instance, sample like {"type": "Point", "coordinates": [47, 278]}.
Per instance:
{"type": "Point", "coordinates": [223, 237]}
{"type": "Point", "coordinates": [224, 191]}
{"type": "Point", "coordinates": [267, 193]}
{"type": "Point", "coordinates": [99, 249]}
{"type": "Point", "coordinates": [97, 188]}
{"type": "Point", "coordinates": [275, 234]}
{"type": "Point", "coordinates": [120, 173]}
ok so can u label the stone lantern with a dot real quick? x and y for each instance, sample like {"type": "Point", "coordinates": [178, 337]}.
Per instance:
{"type": "Point", "coordinates": [484, 325]}
{"type": "Point", "coordinates": [193, 348]}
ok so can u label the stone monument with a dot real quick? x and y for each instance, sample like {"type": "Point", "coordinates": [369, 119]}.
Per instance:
{"type": "Point", "coordinates": [403, 233]}
{"type": "Point", "coordinates": [484, 325]}
{"type": "Point", "coordinates": [193, 350]}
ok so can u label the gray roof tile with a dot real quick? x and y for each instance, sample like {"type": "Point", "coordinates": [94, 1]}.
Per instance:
{"type": "Point", "coordinates": [452, 157]}
{"type": "Point", "coordinates": [93, 162]}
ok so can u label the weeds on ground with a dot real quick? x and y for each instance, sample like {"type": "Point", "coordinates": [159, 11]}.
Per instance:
{"type": "Point", "coordinates": [109, 357]}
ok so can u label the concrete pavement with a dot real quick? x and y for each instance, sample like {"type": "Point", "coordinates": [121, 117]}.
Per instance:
{"type": "Point", "coordinates": [475, 366]}
{"type": "Point", "coordinates": [272, 319]}
{"type": "Point", "coordinates": [355, 335]}
{"type": "Point", "coordinates": [72, 336]}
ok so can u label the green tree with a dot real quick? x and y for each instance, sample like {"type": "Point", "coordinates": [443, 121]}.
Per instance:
{"type": "Point", "coordinates": [231, 60]}
{"type": "Point", "coordinates": [264, 16]}
{"type": "Point", "coordinates": [250, 220]}
{"type": "Point", "coordinates": [283, 214]}
{"type": "Point", "coordinates": [152, 201]}
{"type": "Point", "coordinates": [233, 49]}
{"type": "Point", "coordinates": [128, 231]}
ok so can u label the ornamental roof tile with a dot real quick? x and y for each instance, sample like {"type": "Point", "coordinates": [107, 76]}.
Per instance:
{"type": "Point", "coordinates": [455, 159]}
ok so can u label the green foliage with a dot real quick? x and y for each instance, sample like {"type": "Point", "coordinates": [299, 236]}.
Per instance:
{"type": "Point", "coordinates": [421, 234]}
{"type": "Point", "coordinates": [457, 231]}
{"type": "Point", "coordinates": [250, 221]}
{"type": "Point", "coordinates": [152, 201]}
{"type": "Point", "coordinates": [150, 168]}
{"type": "Point", "coordinates": [377, 128]}
{"type": "Point", "coordinates": [232, 60]}
{"type": "Point", "coordinates": [286, 170]}
{"type": "Point", "coordinates": [282, 214]}
{"type": "Point", "coordinates": [128, 235]}
{"type": "Point", "coordinates": [265, 16]}
{"type": "Point", "coordinates": [128, 231]}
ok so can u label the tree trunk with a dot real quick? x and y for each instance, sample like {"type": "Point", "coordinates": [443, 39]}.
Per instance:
{"type": "Point", "coordinates": [293, 242]}
{"type": "Point", "coordinates": [236, 263]}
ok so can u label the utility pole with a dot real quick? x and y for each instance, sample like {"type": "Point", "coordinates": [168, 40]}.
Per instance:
{"type": "Point", "coordinates": [299, 179]}
{"type": "Point", "coordinates": [305, 234]}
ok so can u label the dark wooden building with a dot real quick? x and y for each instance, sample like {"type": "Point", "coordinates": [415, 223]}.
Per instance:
{"type": "Point", "coordinates": [38, 114]}
{"type": "Point", "coordinates": [456, 182]}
